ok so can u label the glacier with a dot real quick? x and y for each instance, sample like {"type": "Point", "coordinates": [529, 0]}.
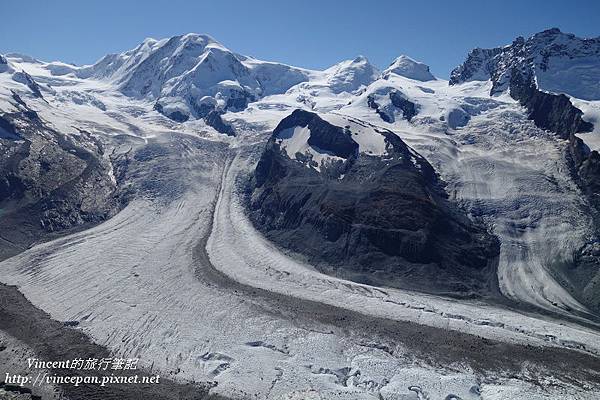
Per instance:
{"type": "Point", "coordinates": [182, 279]}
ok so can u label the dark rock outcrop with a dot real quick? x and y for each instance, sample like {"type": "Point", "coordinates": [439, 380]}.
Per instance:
{"type": "Point", "coordinates": [238, 100]}
{"type": "Point", "coordinates": [384, 220]}
{"type": "Point", "coordinates": [375, 106]}
{"type": "Point", "coordinates": [552, 112]}
{"type": "Point", "coordinates": [214, 120]}
{"type": "Point", "coordinates": [25, 78]}
{"type": "Point", "coordinates": [323, 135]}
{"type": "Point", "coordinates": [514, 68]}
{"type": "Point", "coordinates": [548, 51]}
{"type": "Point", "coordinates": [8, 130]}
{"type": "Point", "coordinates": [398, 101]}
{"type": "Point", "coordinates": [207, 111]}
{"type": "Point", "coordinates": [4, 67]}
{"type": "Point", "coordinates": [476, 66]}
{"type": "Point", "coordinates": [409, 109]}
{"type": "Point", "coordinates": [176, 116]}
{"type": "Point", "coordinates": [48, 182]}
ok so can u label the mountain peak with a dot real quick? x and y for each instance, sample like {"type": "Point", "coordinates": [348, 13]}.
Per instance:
{"type": "Point", "coordinates": [350, 75]}
{"type": "Point", "coordinates": [360, 59]}
{"type": "Point", "coordinates": [554, 61]}
{"type": "Point", "coordinates": [551, 31]}
{"type": "Point", "coordinates": [409, 68]}
{"type": "Point", "coordinates": [180, 73]}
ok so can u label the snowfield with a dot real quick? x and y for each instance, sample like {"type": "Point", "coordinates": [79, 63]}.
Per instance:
{"type": "Point", "coordinates": [181, 279]}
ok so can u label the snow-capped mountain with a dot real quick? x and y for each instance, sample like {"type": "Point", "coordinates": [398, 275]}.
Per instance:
{"type": "Point", "coordinates": [189, 75]}
{"type": "Point", "coordinates": [548, 62]}
{"type": "Point", "coordinates": [351, 75]}
{"type": "Point", "coordinates": [409, 68]}
{"type": "Point", "coordinates": [556, 77]}
{"type": "Point", "coordinates": [354, 219]}
{"type": "Point", "coordinates": [558, 62]}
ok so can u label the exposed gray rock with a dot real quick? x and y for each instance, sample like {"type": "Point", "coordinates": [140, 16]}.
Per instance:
{"type": "Point", "coordinates": [177, 116]}
{"type": "Point", "coordinates": [383, 221]}
{"type": "Point", "coordinates": [213, 119]}
{"type": "Point", "coordinates": [553, 112]}
{"type": "Point", "coordinates": [49, 182]}
{"type": "Point", "coordinates": [25, 78]}
{"type": "Point", "coordinates": [409, 109]}
{"type": "Point", "coordinates": [397, 101]}
{"type": "Point", "coordinates": [4, 67]}
{"type": "Point", "coordinates": [477, 66]}
{"type": "Point", "coordinates": [377, 107]}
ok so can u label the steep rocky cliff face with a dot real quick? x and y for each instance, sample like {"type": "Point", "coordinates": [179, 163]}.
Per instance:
{"type": "Point", "coordinates": [49, 182]}
{"type": "Point", "coordinates": [377, 218]}
{"type": "Point", "coordinates": [553, 112]}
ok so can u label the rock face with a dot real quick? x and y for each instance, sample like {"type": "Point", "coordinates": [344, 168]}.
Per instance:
{"type": "Point", "coordinates": [26, 79]}
{"type": "Point", "coordinates": [538, 72]}
{"type": "Point", "coordinates": [553, 112]}
{"type": "Point", "coordinates": [48, 182]}
{"type": "Point", "coordinates": [396, 101]}
{"type": "Point", "coordinates": [477, 67]}
{"type": "Point", "coordinates": [3, 64]}
{"type": "Point", "coordinates": [333, 139]}
{"type": "Point", "coordinates": [382, 219]}
{"type": "Point", "coordinates": [527, 69]}
{"type": "Point", "coordinates": [213, 118]}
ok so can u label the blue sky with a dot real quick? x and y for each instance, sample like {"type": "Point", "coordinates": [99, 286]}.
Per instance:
{"type": "Point", "coordinates": [307, 33]}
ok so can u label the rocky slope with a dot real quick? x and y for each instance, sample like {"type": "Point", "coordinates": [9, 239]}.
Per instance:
{"type": "Point", "coordinates": [361, 204]}
{"type": "Point", "coordinates": [49, 182]}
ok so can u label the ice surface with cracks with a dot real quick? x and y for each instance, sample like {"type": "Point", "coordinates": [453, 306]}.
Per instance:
{"type": "Point", "coordinates": [132, 282]}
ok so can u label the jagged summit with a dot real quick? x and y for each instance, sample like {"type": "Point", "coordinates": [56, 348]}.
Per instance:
{"type": "Point", "coordinates": [409, 68]}
{"type": "Point", "coordinates": [557, 62]}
